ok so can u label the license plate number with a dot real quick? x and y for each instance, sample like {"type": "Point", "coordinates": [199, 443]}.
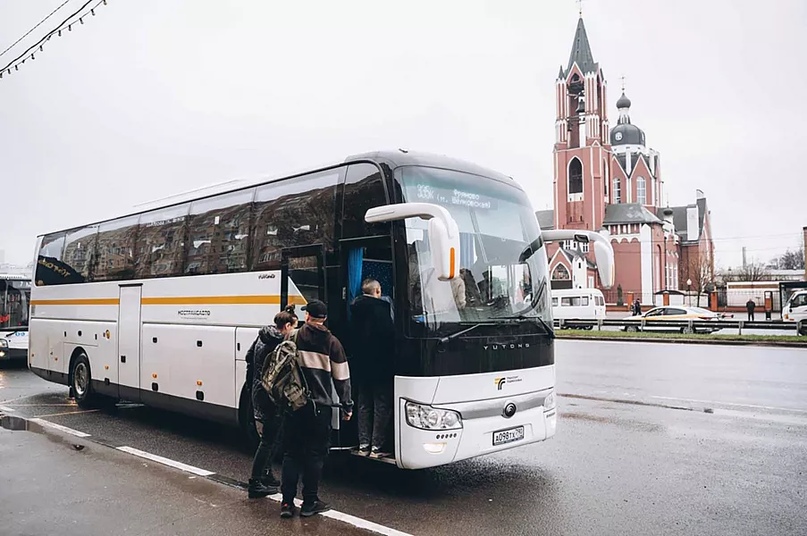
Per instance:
{"type": "Point", "coordinates": [508, 436]}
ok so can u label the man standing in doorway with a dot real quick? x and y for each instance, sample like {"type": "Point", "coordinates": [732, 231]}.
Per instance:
{"type": "Point", "coordinates": [749, 306]}
{"type": "Point", "coordinates": [373, 347]}
{"type": "Point", "coordinates": [307, 431]}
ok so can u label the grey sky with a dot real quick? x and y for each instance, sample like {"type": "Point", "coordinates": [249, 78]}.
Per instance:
{"type": "Point", "coordinates": [154, 97]}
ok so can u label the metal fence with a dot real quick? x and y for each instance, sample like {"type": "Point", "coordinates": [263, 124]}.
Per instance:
{"type": "Point", "coordinates": [684, 326]}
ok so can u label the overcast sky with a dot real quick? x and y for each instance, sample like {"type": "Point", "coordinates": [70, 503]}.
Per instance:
{"type": "Point", "coordinates": [154, 97]}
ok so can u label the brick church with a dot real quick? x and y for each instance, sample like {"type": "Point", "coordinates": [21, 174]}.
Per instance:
{"type": "Point", "coordinates": [609, 180]}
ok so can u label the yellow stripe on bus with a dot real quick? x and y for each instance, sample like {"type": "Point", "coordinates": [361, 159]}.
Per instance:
{"type": "Point", "coordinates": [78, 301]}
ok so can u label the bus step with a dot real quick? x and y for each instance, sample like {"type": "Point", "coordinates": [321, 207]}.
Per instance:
{"type": "Point", "coordinates": [388, 459]}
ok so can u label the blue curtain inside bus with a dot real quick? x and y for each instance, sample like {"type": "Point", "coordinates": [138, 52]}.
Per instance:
{"type": "Point", "coordinates": [354, 274]}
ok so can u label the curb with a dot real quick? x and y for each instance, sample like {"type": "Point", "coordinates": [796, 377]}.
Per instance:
{"type": "Point", "coordinates": [707, 342]}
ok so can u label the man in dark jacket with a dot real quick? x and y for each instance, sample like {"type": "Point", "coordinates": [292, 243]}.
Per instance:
{"type": "Point", "coordinates": [262, 482]}
{"type": "Point", "coordinates": [750, 306]}
{"type": "Point", "coordinates": [373, 346]}
{"type": "Point", "coordinates": [307, 431]}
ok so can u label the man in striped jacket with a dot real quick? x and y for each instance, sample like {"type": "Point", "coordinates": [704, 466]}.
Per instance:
{"type": "Point", "coordinates": [307, 431]}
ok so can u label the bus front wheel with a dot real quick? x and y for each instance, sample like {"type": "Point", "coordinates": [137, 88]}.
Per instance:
{"type": "Point", "coordinates": [81, 381]}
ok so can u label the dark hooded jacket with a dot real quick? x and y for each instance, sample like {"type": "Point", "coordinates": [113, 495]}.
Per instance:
{"type": "Point", "coordinates": [268, 339]}
{"type": "Point", "coordinates": [373, 340]}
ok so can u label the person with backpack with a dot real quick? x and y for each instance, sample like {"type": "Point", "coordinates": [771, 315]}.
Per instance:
{"type": "Point", "coordinates": [262, 481]}
{"type": "Point", "coordinates": [307, 425]}
{"type": "Point", "coordinates": [373, 338]}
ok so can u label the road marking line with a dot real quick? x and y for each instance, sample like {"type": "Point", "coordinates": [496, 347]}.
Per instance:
{"type": "Point", "coordinates": [6, 409]}
{"type": "Point", "coordinates": [59, 427]}
{"type": "Point", "coordinates": [349, 519]}
{"type": "Point", "coordinates": [69, 413]}
{"type": "Point", "coordinates": [363, 523]}
{"type": "Point", "coordinates": [166, 461]}
{"type": "Point", "coordinates": [716, 402]}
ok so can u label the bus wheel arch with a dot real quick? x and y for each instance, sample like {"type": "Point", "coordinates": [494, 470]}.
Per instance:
{"type": "Point", "coordinates": [80, 378]}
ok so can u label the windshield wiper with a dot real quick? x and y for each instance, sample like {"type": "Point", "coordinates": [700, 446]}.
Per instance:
{"type": "Point", "coordinates": [444, 340]}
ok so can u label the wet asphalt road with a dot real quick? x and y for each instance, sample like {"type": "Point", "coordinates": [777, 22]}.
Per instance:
{"type": "Point", "coordinates": [652, 438]}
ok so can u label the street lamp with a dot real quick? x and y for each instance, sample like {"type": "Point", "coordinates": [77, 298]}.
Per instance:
{"type": "Point", "coordinates": [689, 291]}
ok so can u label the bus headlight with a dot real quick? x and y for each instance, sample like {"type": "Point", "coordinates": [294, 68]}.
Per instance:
{"type": "Point", "coordinates": [3, 343]}
{"type": "Point", "coordinates": [549, 401]}
{"type": "Point", "coordinates": [429, 418]}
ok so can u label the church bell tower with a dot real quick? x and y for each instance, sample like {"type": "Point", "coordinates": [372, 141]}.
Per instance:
{"type": "Point", "coordinates": [581, 139]}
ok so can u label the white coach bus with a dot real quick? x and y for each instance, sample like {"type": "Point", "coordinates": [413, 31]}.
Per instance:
{"type": "Point", "coordinates": [160, 307]}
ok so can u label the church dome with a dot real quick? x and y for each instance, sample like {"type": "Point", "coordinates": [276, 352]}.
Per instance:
{"type": "Point", "coordinates": [627, 134]}
{"type": "Point", "coordinates": [623, 102]}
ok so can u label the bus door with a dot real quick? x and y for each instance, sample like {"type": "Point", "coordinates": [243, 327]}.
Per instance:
{"type": "Point", "coordinates": [129, 342]}
{"type": "Point", "coordinates": [360, 259]}
{"type": "Point", "coordinates": [302, 276]}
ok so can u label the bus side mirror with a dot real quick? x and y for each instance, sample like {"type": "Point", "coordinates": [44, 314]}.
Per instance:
{"type": "Point", "coordinates": [603, 251]}
{"type": "Point", "coordinates": [604, 254]}
{"type": "Point", "coordinates": [444, 235]}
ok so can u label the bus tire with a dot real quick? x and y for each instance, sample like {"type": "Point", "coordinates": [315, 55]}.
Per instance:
{"type": "Point", "coordinates": [801, 327]}
{"type": "Point", "coordinates": [688, 330]}
{"type": "Point", "coordinates": [81, 381]}
{"type": "Point", "coordinates": [632, 329]}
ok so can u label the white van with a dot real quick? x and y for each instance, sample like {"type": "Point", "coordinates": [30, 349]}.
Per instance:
{"type": "Point", "coordinates": [578, 304]}
{"type": "Point", "coordinates": [795, 310]}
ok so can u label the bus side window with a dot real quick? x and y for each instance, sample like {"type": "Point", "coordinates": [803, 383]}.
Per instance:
{"type": "Point", "coordinates": [50, 258]}
{"type": "Point", "coordinates": [565, 302]}
{"type": "Point", "coordinates": [364, 189]}
{"type": "Point", "coordinates": [80, 251]}
{"type": "Point", "coordinates": [290, 213]}
{"type": "Point", "coordinates": [584, 301]}
{"type": "Point", "coordinates": [160, 249]}
{"type": "Point", "coordinates": [115, 250]}
{"type": "Point", "coordinates": [554, 302]}
{"type": "Point", "coordinates": [218, 233]}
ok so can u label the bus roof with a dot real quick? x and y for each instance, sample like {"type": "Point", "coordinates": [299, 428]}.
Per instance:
{"type": "Point", "coordinates": [401, 157]}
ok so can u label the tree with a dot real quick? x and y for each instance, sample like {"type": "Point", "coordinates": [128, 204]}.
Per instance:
{"type": "Point", "coordinates": [791, 260]}
{"type": "Point", "coordinates": [753, 271]}
{"type": "Point", "coordinates": [700, 271]}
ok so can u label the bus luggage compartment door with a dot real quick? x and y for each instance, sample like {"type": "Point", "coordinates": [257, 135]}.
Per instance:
{"type": "Point", "coordinates": [129, 342]}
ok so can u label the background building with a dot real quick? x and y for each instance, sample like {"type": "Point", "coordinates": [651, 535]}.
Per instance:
{"type": "Point", "coordinates": [609, 180]}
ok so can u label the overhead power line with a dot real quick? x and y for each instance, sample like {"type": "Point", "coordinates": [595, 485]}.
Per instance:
{"type": "Point", "coordinates": [77, 17]}
{"type": "Point", "coordinates": [12, 45]}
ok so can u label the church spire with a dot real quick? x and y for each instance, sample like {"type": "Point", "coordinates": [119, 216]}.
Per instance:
{"type": "Point", "coordinates": [581, 50]}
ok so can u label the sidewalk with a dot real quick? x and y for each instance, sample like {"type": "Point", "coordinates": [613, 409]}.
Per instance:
{"type": "Point", "coordinates": [53, 483]}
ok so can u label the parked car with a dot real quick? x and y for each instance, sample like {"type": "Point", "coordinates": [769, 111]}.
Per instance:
{"type": "Point", "coordinates": [676, 313]}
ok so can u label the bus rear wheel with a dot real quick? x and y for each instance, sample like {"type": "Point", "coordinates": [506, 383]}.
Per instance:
{"type": "Point", "coordinates": [81, 381]}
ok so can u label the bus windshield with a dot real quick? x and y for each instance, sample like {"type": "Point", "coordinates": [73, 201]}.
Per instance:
{"type": "Point", "coordinates": [503, 266]}
{"type": "Point", "coordinates": [14, 297]}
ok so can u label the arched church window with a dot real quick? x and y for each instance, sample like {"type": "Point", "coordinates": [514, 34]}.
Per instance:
{"type": "Point", "coordinates": [605, 177]}
{"type": "Point", "coordinates": [561, 273]}
{"type": "Point", "coordinates": [641, 191]}
{"type": "Point", "coordinates": [617, 191]}
{"type": "Point", "coordinates": [575, 176]}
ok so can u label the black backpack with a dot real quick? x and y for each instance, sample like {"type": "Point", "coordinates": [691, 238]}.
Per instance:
{"type": "Point", "coordinates": [282, 376]}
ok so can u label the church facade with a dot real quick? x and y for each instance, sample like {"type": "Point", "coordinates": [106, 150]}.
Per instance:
{"type": "Point", "coordinates": [609, 180]}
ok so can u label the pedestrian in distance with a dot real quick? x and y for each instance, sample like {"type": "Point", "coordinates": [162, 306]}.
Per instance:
{"type": "Point", "coordinates": [262, 481]}
{"type": "Point", "coordinates": [307, 431]}
{"type": "Point", "coordinates": [750, 306]}
{"type": "Point", "coordinates": [373, 337]}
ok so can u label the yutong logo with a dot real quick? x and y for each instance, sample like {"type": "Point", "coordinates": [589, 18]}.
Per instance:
{"type": "Point", "coordinates": [508, 379]}
{"type": "Point", "coordinates": [511, 346]}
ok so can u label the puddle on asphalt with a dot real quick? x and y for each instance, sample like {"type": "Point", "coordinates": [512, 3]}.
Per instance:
{"type": "Point", "coordinates": [14, 423]}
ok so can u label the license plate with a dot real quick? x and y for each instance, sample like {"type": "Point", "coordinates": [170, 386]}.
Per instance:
{"type": "Point", "coordinates": [508, 436]}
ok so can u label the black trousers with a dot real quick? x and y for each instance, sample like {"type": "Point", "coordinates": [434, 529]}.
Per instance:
{"type": "Point", "coordinates": [270, 431]}
{"type": "Point", "coordinates": [375, 413]}
{"type": "Point", "coordinates": [306, 440]}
